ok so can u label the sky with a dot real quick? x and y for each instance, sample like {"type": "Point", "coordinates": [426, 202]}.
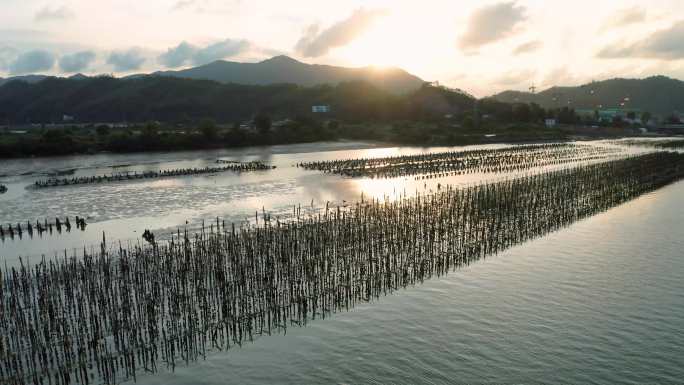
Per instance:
{"type": "Point", "coordinates": [480, 46]}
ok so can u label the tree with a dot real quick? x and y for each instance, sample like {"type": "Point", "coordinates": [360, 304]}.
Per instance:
{"type": "Point", "coordinates": [567, 116]}
{"type": "Point", "coordinates": [56, 136]}
{"type": "Point", "coordinates": [102, 130]}
{"type": "Point", "coordinates": [467, 122]}
{"type": "Point", "coordinates": [262, 123]}
{"type": "Point", "coordinates": [646, 117]}
{"type": "Point", "coordinates": [208, 129]}
{"type": "Point", "coordinates": [617, 121]}
{"type": "Point", "coordinates": [673, 119]}
{"type": "Point", "coordinates": [537, 112]}
{"type": "Point", "coordinates": [150, 136]}
{"type": "Point", "coordinates": [631, 115]}
{"type": "Point", "coordinates": [57, 141]}
{"type": "Point", "coordinates": [151, 129]}
{"type": "Point", "coordinates": [235, 137]}
{"type": "Point", "coordinates": [522, 113]}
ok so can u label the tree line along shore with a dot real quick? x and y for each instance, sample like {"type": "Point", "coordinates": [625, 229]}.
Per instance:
{"type": "Point", "coordinates": [268, 115]}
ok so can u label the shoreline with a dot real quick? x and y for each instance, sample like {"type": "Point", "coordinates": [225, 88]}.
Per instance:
{"type": "Point", "coordinates": [470, 140]}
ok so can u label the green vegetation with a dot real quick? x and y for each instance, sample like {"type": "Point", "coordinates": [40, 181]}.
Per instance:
{"type": "Point", "coordinates": [658, 94]}
{"type": "Point", "coordinates": [184, 114]}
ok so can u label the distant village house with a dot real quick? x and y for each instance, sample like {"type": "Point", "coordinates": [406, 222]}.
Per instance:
{"type": "Point", "coordinates": [320, 109]}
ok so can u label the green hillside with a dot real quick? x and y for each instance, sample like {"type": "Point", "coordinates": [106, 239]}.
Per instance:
{"type": "Point", "coordinates": [659, 95]}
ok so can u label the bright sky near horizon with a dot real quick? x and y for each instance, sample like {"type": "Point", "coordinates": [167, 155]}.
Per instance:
{"type": "Point", "coordinates": [480, 46]}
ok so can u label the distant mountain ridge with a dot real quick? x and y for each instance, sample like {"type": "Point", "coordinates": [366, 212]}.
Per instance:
{"type": "Point", "coordinates": [284, 69]}
{"type": "Point", "coordinates": [24, 78]}
{"type": "Point", "coordinates": [277, 70]}
{"type": "Point", "coordinates": [181, 100]}
{"type": "Point", "coordinates": [31, 79]}
{"type": "Point", "coordinates": [659, 95]}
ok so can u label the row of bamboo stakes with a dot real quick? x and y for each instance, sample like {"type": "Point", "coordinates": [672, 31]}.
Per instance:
{"type": "Point", "coordinates": [663, 144]}
{"type": "Point", "coordinates": [233, 166]}
{"type": "Point", "coordinates": [109, 316]}
{"type": "Point", "coordinates": [40, 227]}
{"type": "Point", "coordinates": [501, 160]}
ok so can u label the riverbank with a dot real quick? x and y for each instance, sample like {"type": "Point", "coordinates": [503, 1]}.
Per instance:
{"type": "Point", "coordinates": [149, 139]}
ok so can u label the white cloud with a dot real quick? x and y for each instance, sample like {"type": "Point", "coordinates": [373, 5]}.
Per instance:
{"type": "Point", "coordinates": [665, 44]}
{"type": "Point", "coordinates": [32, 61]}
{"type": "Point", "coordinates": [76, 62]}
{"type": "Point", "coordinates": [127, 60]}
{"type": "Point", "coordinates": [625, 17]}
{"type": "Point", "coordinates": [177, 56]}
{"type": "Point", "coordinates": [221, 50]}
{"type": "Point", "coordinates": [517, 78]}
{"type": "Point", "coordinates": [183, 4]}
{"type": "Point", "coordinates": [528, 47]}
{"type": "Point", "coordinates": [316, 43]}
{"type": "Point", "coordinates": [49, 13]}
{"type": "Point", "coordinates": [7, 55]}
{"type": "Point", "coordinates": [185, 53]}
{"type": "Point", "coordinates": [492, 23]}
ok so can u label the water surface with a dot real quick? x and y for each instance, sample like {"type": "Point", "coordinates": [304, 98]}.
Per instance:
{"type": "Point", "coordinates": [599, 302]}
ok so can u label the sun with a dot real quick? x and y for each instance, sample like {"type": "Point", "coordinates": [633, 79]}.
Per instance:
{"type": "Point", "coordinates": [380, 46]}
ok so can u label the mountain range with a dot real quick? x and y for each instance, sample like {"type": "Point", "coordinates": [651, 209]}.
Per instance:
{"type": "Point", "coordinates": [180, 100]}
{"type": "Point", "coordinates": [658, 95]}
{"type": "Point", "coordinates": [279, 70]}
{"type": "Point", "coordinates": [284, 69]}
{"type": "Point", "coordinates": [24, 78]}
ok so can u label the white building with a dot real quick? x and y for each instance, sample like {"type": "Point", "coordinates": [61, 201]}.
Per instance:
{"type": "Point", "coordinates": [320, 109]}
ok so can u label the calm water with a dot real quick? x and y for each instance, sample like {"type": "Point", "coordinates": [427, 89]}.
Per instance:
{"type": "Point", "coordinates": [599, 302]}
{"type": "Point", "coordinates": [125, 209]}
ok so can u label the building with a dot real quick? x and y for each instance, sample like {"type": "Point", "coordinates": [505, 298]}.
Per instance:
{"type": "Point", "coordinates": [609, 114]}
{"type": "Point", "coordinates": [550, 123]}
{"type": "Point", "coordinates": [281, 123]}
{"type": "Point", "coordinates": [320, 109]}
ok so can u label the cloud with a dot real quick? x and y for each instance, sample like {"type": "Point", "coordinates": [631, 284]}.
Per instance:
{"type": "Point", "coordinates": [32, 61]}
{"type": "Point", "coordinates": [206, 6]}
{"type": "Point", "coordinates": [48, 13]}
{"type": "Point", "coordinates": [625, 17]}
{"type": "Point", "coordinates": [177, 56]}
{"type": "Point", "coordinates": [128, 60]}
{"type": "Point", "coordinates": [24, 40]}
{"type": "Point", "coordinates": [528, 47]}
{"type": "Point", "coordinates": [220, 50]}
{"type": "Point", "coordinates": [182, 4]}
{"type": "Point", "coordinates": [7, 55]}
{"type": "Point", "coordinates": [185, 53]}
{"type": "Point", "coordinates": [516, 78]}
{"type": "Point", "coordinates": [492, 23]}
{"type": "Point", "coordinates": [317, 43]}
{"type": "Point", "coordinates": [76, 62]}
{"type": "Point", "coordinates": [665, 44]}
